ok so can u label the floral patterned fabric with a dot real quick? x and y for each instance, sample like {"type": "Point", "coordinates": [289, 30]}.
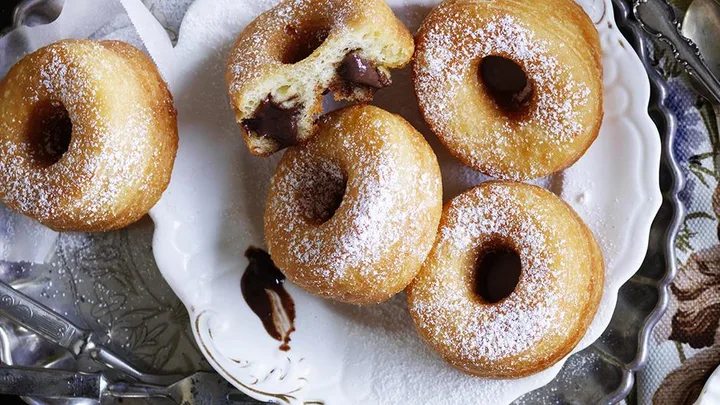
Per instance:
{"type": "Point", "coordinates": [685, 348]}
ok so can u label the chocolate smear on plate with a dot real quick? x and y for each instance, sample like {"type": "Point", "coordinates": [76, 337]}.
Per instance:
{"type": "Point", "coordinates": [263, 289]}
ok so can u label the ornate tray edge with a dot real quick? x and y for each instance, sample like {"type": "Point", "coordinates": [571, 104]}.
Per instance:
{"type": "Point", "coordinates": [665, 120]}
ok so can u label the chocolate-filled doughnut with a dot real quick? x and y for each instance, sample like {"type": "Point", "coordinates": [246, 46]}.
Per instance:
{"type": "Point", "coordinates": [288, 57]}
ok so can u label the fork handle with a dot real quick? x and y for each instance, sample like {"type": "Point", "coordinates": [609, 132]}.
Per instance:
{"type": "Point", "coordinates": [45, 322]}
{"type": "Point", "coordinates": [658, 18]}
{"type": "Point", "coordinates": [51, 383]}
{"type": "Point", "coordinates": [48, 383]}
{"type": "Point", "coordinates": [41, 319]}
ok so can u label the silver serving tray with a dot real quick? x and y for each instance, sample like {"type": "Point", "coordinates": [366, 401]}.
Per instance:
{"type": "Point", "coordinates": [150, 327]}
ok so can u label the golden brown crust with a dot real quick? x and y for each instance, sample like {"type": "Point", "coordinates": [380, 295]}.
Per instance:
{"type": "Point", "coordinates": [122, 146]}
{"type": "Point", "coordinates": [383, 228]}
{"type": "Point", "coordinates": [269, 58]}
{"type": "Point", "coordinates": [553, 304]}
{"type": "Point", "coordinates": [557, 46]}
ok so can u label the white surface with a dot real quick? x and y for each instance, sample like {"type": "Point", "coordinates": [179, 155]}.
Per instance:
{"type": "Point", "coordinates": [343, 354]}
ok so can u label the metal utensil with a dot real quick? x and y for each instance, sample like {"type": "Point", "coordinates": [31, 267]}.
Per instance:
{"type": "Point", "coordinates": [702, 26]}
{"type": "Point", "coordinates": [79, 342]}
{"type": "Point", "coordinates": [200, 388]}
{"type": "Point", "coordinates": [658, 18]}
{"type": "Point", "coordinates": [36, 12]}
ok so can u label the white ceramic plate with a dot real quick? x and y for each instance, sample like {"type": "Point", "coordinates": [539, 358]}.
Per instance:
{"type": "Point", "coordinates": [342, 354]}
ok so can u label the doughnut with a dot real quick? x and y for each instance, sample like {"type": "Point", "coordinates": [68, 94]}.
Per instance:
{"type": "Point", "coordinates": [352, 214]}
{"type": "Point", "coordinates": [88, 134]}
{"type": "Point", "coordinates": [288, 57]}
{"type": "Point", "coordinates": [512, 89]}
{"type": "Point", "coordinates": [512, 283]}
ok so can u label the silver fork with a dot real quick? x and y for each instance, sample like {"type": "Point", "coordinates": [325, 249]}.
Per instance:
{"type": "Point", "coordinates": [43, 321]}
{"type": "Point", "coordinates": [200, 388]}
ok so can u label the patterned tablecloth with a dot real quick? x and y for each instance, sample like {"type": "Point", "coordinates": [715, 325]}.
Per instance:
{"type": "Point", "coordinates": [685, 347]}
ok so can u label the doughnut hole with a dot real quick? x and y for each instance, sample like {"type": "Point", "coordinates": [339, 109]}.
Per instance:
{"type": "Point", "coordinates": [497, 273]}
{"type": "Point", "coordinates": [49, 132]}
{"type": "Point", "coordinates": [321, 191]}
{"type": "Point", "coordinates": [506, 82]}
{"type": "Point", "coordinates": [302, 42]}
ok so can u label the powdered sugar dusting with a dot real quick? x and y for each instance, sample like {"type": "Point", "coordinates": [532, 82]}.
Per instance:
{"type": "Point", "coordinates": [509, 330]}
{"type": "Point", "coordinates": [286, 14]}
{"type": "Point", "coordinates": [370, 224]}
{"type": "Point", "coordinates": [453, 47]}
{"type": "Point", "coordinates": [107, 153]}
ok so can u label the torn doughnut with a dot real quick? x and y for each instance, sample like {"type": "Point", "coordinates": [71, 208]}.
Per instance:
{"type": "Point", "coordinates": [290, 56]}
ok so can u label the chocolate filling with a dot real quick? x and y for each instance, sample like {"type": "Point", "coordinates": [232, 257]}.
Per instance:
{"type": "Point", "coordinates": [357, 70]}
{"type": "Point", "coordinates": [274, 121]}
{"type": "Point", "coordinates": [506, 82]}
{"type": "Point", "coordinates": [497, 274]}
{"type": "Point", "coordinates": [262, 287]}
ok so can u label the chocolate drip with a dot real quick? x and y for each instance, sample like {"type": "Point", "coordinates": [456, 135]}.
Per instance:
{"type": "Point", "coordinates": [263, 290]}
{"type": "Point", "coordinates": [272, 120]}
{"type": "Point", "coordinates": [497, 274]}
{"type": "Point", "coordinates": [506, 82]}
{"type": "Point", "coordinates": [357, 70]}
